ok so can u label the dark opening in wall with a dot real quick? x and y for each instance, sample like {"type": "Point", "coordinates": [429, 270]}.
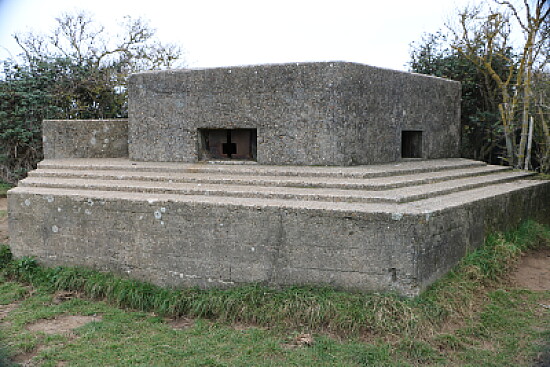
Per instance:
{"type": "Point", "coordinates": [411, 144]}
{"type": "Point", "coordinates": [227, 144]}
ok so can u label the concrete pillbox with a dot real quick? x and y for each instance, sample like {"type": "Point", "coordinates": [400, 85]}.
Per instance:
{"type": "Point", "coordinates": [329, 173]}
{"type": "Point", "coordinates": [328, 113]}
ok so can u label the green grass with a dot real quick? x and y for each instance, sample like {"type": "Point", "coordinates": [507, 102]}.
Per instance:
{"type": "Point", "coordinates": [4, 187]}
{"type": "Point", "coordinates": [469, 318]}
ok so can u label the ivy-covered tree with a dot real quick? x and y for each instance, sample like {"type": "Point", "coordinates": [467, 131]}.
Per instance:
{"type": "Point", "coordinates": [505, 84]}
{"type": "Point", "coordinates": [481, 129]}
{"type": "Point", "coordinates": [26, 97]}
{"type": "Point", "coordinates": [76, 72]}
{"type": "Point", "coordinates": [491, 28]}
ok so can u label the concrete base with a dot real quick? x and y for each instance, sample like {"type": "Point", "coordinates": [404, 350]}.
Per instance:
{"type": "Point", "coordinates": [395, 227]}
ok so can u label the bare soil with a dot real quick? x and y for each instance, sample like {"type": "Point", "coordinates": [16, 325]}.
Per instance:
{"type": "Point", "coordinates": [62, 325]}
{"type": "Point", "coordinates": [25, 359]}
{"type": "Point", "coordinates": [533, 271]}
{"type": "Point", "coordinates": [181, 323]}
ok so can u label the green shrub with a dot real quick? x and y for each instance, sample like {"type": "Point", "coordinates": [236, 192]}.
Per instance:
{"type": "Point", "coordinates": [5, 256]}
{"type": "Point", "coordinates": [4, 187]}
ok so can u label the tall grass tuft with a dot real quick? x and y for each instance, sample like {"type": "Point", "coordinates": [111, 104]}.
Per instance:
{"type": "Point", "coordinates": [306, 308]}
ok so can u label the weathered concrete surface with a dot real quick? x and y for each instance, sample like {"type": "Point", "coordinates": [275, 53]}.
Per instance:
{"type": "Point", "coordinates": [138, 221]}
{"type": "Point", "coordinates": [311, 211]}
{"type": "Point", "coordinates": [328, 113]}
{"type": "Point", "coordinates": [85, 138]}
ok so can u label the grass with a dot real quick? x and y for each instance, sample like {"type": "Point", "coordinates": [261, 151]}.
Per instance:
{"type": "Point", "coordinates": [4, 187]}
{"type": "Point", "coordinates": [469, 318]}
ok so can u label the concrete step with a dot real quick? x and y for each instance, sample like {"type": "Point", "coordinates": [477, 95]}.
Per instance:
{"type": "Point", "coordinates": [349, 194]}
{"type": "Point", "coordinates": [424, 206]}
{"type": "Point", "coordinates": [426, 191]}
{"type": "Point", "coordinates": [370, 171]}
{"type": "Point", "coordinates": [402, 182]}
{"type": "Point", "coordinates": [343, 183]}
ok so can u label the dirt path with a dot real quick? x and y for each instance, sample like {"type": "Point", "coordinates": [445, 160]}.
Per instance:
{"type": "Point", "coordinates": [533, 271]}
{"type": "Point", "coordinates": [3, 220]}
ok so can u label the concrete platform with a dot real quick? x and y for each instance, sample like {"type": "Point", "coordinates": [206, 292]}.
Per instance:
{"type": "Point", "coordinates": [392, 227]}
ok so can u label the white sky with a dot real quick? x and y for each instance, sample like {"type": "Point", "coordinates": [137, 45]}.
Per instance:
{"type": "Point", "coordinates": [241, 32]}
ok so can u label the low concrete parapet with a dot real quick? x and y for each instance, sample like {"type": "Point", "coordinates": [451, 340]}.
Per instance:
{"type": "Point", "coordinates": [85, 138]}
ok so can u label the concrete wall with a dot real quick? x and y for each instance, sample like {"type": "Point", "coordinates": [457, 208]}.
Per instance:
{"type": "Point", "coordinates": [442, 240]}
{"type": "Point", "coordinates": [330, 113]}
{"type": "Point", "coordinates": [378, 104]}
{"type": "Point", "coordinates": [207, 245]}
{"type": "Point", "coordinates": [184, 244]}
{"type": "Point", "coordinates": [85, 138]}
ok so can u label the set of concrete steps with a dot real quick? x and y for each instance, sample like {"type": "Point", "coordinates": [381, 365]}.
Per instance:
{"type": "Point", "coordinates": [396, 183]}
{"type": "Point", "coordinates": [395, 227]}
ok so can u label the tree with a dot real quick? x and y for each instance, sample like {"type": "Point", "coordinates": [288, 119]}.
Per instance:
{"type": "Point", "coordinates": [541, 112]}
{"type": "Point", "coordinates": [78, 38]}
{"type": "Point", "coordinates": [491, 30]}
{"type": "Point", "coordinates": [481, 129]}
{"type": "Point", "coordinates": [78, 71]}
{"type": "Point", "coordinates": [25, 99]}
{"type": "Point", "coordinates": [94, 64]}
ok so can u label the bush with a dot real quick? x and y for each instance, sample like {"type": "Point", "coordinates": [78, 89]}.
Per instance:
{"type": "Point", "coordinates": [5, 256]}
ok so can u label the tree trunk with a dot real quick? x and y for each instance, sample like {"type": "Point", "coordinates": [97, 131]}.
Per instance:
{"type": "Point", "coordinates": [529, 144]}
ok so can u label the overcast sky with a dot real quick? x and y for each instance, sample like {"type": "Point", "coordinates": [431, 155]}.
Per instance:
{"type": "Point", "coordinates": [241, 32]}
